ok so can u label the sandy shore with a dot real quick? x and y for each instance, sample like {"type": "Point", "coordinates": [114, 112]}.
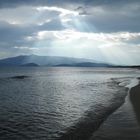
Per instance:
{"type": "Point", "coordinates": [123, 124]}
{"type": "Point", "coordinates": [135, 100]}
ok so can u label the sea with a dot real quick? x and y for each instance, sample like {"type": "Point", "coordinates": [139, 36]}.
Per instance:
{"type": "Point", "coordinates": [67, 103]}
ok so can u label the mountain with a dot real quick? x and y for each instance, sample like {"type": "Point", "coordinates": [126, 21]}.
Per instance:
{"type": "Point", "coordinates": [35, 60]}
{"type": "Point", "coordinates": [85, 64]}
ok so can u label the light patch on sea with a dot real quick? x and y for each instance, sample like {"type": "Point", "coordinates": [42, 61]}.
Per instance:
{"type": "Point", "coordinates": [59, 103]}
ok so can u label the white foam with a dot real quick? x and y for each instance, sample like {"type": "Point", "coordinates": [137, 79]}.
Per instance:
{"type": "Point", "coordinates": [128, 82]}
{"type": "Point", "coordinates": [134, 82]}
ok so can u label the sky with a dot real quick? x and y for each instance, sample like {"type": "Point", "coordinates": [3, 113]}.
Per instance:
{"type": "Point", "coordinates": [103, 30]}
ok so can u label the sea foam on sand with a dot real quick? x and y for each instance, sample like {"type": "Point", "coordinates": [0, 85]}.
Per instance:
{"type": "Point", "coordinates": [128, 82]}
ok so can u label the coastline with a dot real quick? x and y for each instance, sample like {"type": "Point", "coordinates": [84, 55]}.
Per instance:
{"type": "Point", "coordinates": [124, 123]}
{"type": "Point", "coordinates": [88, 125]}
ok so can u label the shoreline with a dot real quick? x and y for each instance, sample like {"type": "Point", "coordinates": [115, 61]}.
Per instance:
{"type": "Point", "coordinates": [123, 123]}
{"type": "Point", "coordinates": [78, 131]}
{"type": "Point", "coordinates": [134, 83]}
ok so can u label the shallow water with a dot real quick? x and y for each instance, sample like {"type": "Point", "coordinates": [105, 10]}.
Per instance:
{"type": "Point", "coordinates": [121, 125]}
{"type": "Point", "coordinates": [53, 103]}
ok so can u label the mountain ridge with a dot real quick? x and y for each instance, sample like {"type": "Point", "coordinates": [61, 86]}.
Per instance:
{"type": "Point", "coordinates": [44, 60]}
{"type": "Point", "coordinates": [57, 61]}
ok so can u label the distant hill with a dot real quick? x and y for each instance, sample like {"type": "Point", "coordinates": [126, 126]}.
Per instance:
{"type": "Point", "coordinates": [35, 60]}
{"type": "Point", "coordinates": [85, 64]}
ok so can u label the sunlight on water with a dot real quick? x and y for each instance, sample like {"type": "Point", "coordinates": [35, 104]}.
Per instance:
{"type": "Point", "coordinates": [49, 103]}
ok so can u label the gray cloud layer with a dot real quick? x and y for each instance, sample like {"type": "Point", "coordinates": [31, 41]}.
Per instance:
{"type": "Point", "coordinates": [20, 21]}
{"type": "Point", "coordinates": [104, 15]}
{"type": "Point", "coordinates": [112, 3]}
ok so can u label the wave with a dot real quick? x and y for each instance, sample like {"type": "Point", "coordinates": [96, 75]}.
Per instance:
{"type": "Point", "coordinates": [95, 116]}
{"type": "Point", "coordinates": [127, 82]}
{"type": "Point", "coordinates": [92, 119]}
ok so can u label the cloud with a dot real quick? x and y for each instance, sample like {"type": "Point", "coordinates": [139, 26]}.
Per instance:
{"type": "Point", "coordinates": [103, 18]}
{"type": "Point", "coordinates": [18, 34]}
{"type": "Point", "coordinates": [89, 27]}
{"type": "Point", "coordinates": [12, 33]}
{"type": "Point", "coordinates": [51, 25]}
{"type": "Point", "coordinates": [94, 16]}
{"type": "Point", "coordinates": [9, 3]}
{"type": "Point", "coordinates": [26, 48]}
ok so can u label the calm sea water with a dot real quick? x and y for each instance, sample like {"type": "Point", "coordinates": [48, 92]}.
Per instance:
{"type": "Point", "coordinates": [58, 103]}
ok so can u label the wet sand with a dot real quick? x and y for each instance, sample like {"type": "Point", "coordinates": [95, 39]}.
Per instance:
{"type": "Point", "coordinates": [124, 123]}
{"type": "Point", "coordinates": [135, 100]}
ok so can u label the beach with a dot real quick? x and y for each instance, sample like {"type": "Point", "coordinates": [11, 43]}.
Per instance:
{"type": "Point", "coordinates": [124, 123]}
